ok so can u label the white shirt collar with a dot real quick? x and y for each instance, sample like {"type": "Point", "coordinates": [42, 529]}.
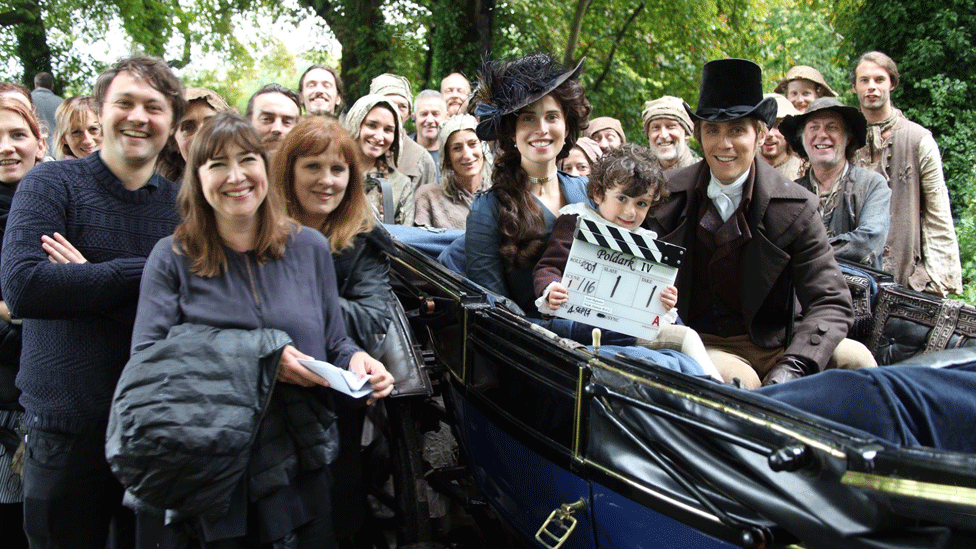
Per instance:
{"type": "Point", "coordinates": [726, 197]}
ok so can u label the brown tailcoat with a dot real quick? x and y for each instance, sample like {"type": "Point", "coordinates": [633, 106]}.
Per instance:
{"type": "Point", "coordinates": [788, 245]}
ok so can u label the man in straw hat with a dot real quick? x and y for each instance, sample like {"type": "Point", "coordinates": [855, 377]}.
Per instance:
{"type": "Point", "coordinates": [754, 240]}
{"type": "Point", "coordinates": [803, 85]}
{"type": "Point", "coordinates": [668, 129]}
{"type": "Point", "coordinates": [854, 201]}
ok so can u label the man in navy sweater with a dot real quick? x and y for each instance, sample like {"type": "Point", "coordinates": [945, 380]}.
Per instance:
{"type": "Point", "coordinates": [78, 236]}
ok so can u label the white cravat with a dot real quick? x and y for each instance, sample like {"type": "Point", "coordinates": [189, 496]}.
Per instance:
{"type": "Point", "coordinates": [726, 197]}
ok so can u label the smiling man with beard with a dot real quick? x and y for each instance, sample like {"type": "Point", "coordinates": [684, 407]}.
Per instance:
{"type": "Point", "coordinates": [456, 90]}
{"type": "Point", "coordinates": [776, 148]}
{"type": "Point", "coordinates": [77, 239]}
{"type": "Point", "coordinates": [854, 202]}
{"type": "Point", "coordinates": [320, 89]}
{"type": "Point", "coordinates": [668, 129]}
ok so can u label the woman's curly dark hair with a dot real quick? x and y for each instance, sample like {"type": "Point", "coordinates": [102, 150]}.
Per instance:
{"type": "Point", "coordinates": [521, 224]}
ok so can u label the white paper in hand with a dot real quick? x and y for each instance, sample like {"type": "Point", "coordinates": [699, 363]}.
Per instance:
{"type": "Point", "coordinates": [341, 380]}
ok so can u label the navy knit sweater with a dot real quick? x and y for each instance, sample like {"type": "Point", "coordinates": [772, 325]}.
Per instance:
{"type": "Point", "coordinates": [78, 318]}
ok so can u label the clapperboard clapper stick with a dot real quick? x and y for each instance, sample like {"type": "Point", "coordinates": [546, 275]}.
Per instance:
{"type": "Point", "coordinates": [615, 278]}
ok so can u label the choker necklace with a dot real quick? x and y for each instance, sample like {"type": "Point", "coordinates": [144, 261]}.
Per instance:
{"type": "Point", "coordinates": [541, 181]}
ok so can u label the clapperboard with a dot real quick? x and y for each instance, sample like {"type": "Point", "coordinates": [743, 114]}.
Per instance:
{"type": "Point", "coordinates": [615, 278]}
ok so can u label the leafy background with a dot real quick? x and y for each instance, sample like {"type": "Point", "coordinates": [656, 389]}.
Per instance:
{"type": "Point", "coordinates": [635, 50]}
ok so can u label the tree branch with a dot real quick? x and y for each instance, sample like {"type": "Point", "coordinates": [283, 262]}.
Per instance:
{"type": "Point", "coordinates": [11, 18]}
{"type": "Point", "coordinates": [574, 31]}
{"type": "Point", "coordinates": [616, 42]}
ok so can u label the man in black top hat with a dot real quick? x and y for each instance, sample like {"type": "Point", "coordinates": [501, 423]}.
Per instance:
{"type": "Point", "coordinates": [754, 240]}
{"type": "Point", "coordinates": [854, 202]}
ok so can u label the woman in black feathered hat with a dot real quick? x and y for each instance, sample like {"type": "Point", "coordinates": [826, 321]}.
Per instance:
{"type": "Point", "coordinates": [535, 111]}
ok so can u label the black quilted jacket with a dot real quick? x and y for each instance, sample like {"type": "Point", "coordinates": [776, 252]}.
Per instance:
{"type": "Point", "coordinates": [196, 411]}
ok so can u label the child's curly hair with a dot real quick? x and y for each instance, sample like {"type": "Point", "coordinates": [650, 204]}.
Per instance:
{"type": "Point", "coordinates": [633, 167]}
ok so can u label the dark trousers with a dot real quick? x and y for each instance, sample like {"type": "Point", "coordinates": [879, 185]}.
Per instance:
{"type": "Point", "coordinates": [70, 494]}
{"type": "Point", "coordinates": [904, 405]}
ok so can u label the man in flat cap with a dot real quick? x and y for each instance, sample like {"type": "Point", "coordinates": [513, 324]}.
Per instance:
{"type": "Point", "coordinates": [607, 132]}
{"type": "Point", "coordinates": [668, 129]}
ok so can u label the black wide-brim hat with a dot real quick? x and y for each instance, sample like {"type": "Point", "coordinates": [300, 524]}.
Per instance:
{"type": "Point", "coordinates": [504, 87]}
{"type": "Point", "coordinates": [790, 126]}
{"type": "Point", "coordinates": [732, 89]}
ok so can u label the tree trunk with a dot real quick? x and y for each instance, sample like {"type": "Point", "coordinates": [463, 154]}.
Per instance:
{"type": "Point", "coordinates": [360, 28]}
{"type": "Point", "coordinates": [32, 48]}
{"type": "Point", "coordinates": [574, 32]}
{"type": "Point", "coordinates": [462, 36]}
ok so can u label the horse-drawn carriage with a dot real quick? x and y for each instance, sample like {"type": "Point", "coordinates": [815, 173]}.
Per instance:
{"type": "Point", "coordinates": [577, 450]}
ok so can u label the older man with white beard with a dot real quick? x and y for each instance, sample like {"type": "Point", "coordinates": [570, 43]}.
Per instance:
{"type": "Point", "coordinates": [668, 129]}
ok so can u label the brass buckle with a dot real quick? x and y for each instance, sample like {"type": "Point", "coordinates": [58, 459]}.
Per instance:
{"type": "Point", "coordinates": [560, 524]}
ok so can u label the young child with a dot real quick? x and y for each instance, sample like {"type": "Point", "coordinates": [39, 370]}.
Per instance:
{"type": "Point", "coordinates": [626, 183]}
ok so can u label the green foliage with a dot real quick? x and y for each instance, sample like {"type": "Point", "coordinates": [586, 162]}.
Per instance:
{"type": "Point", "coordinates": [966, 232]}
{"type": "Point", "coordinates": [148, 21]}
{"type": "Point", "coordinates": [32, 45]}
{"type": "Point", "coordinates": [800, 34]}
{"type": "Point", "coordinates": [454, 46]}
{"type": "Point", "coordinates": [935, 48]}
{"type": "Point", "coordinates": [277, 65]}
{"type": "Point", "coordinates": [156, 27]}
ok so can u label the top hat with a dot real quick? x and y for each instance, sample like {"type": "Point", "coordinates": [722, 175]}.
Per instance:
{"type": "Point", "coordinates": [791, 125]}
{"type": "Point", "coordinates": [504, 87]}
{"type": "Point", "coordinates": [732, 89]}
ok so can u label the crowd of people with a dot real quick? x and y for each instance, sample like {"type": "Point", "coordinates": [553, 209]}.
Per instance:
{"type": "Point", "coordinates": [147, 210]}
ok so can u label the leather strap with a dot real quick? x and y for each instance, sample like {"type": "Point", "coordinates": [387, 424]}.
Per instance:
{"type": "Point", "coordinates": [386, 191]}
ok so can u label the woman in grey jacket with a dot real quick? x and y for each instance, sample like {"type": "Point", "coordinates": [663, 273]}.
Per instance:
{"type": "Point", "coordinates": [318, 169]}
{"type": "Point", "coordinates": [238, 261]}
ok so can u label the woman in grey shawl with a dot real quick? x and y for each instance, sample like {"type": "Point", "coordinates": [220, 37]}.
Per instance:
{"type": "Point", "coordinates": [374, 123]}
